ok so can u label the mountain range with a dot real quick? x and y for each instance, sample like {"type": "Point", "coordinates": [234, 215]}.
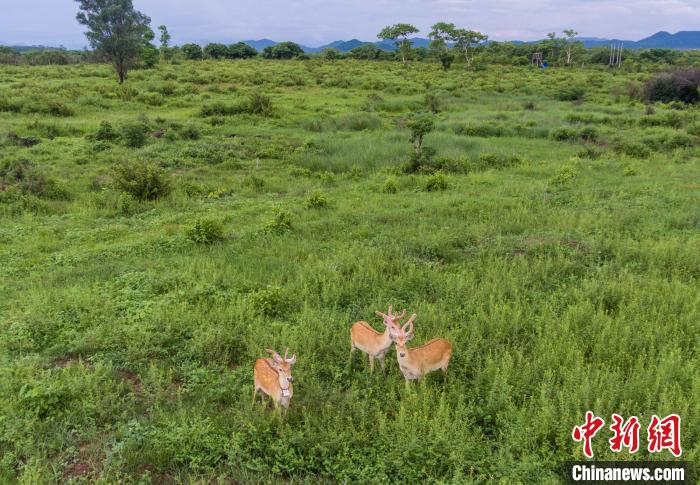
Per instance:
{"type": "Point", "coordinates": [688, 39]}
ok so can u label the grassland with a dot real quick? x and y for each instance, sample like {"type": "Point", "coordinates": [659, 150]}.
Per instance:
{"type": "Point", "coordinates": [553, 238]}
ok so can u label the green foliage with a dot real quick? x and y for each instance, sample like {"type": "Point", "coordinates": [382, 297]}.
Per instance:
{"type": "Point", "coordinates": [681, 85]}
{"type": "Point", "coordinates": [280, 222]}
{"type": "Point", "coordinates": [241, 50]}
{"type": "Point", "coordinates": [27, 178]}
{"type": "Point", "coordinates": [571, 93]}
{"type": "Point", "coordinates": [552, 267]}
{"type": "Point", "coordinates": [205, 231]}
{"type": "Point", "coordinates": [106, 132]}
{"type": "Point", "coordinates": [115, 30]}
{"type": "Point", "coordinates": [435, 182]}
{"type": "Point", "coordinates": [283, 50]}
{"type": "Point", "coordinates": [134, 135]}
{"type": "Point", "coordinates": [192, 52]}
{"type": "Point", "coordinates": [143, 180]}
{"type": "Point", "coordinates": [215, 51]}
{"type": "Point", "coordinates": [316, 200]}
{"type": "Point", "coordinates": [260, 104]}
{"type": "Point", "coordinates": [419, 125]}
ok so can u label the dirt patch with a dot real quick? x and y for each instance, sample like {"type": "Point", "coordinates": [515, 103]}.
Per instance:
{"type": "Point", "coordinates": [63, 362]}
{"type": "Point", "coordinates": [132, 379]}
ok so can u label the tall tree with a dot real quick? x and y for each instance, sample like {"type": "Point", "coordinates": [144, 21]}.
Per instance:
{"type": "Point", "coordinates": [399, 33]}
{"type": "Point", "coordinates": [467, 40]}
{"type": "Point", "coordinates": [165, 51]}
{"type": "Point", "coordinates": [441, 33]}
{"type": "Point", "coordinates": [115, 30]}
{"type": "Point", "coordinates": [570, 44]}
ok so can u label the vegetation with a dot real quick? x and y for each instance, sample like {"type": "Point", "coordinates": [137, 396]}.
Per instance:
{"type": "Point", "coordinates": [116, 31]}
{"type": "Point", "coordinates": [157, 236]}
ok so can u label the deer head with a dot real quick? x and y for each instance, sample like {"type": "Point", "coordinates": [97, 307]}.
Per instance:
{"type": "Point", "coordinates": [404, 335]}
{"type": "Point", "coordinates": [392, 321]}
{"type": "Point", "coordinates": [283, 366]}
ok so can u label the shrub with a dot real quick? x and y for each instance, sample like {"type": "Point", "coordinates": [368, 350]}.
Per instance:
{"type": "Point", "coordinates": [205, 231]}
{"type": "Point", "coordinates": [259, 104]}
{"type": "Point", "coordinates": [316, 200]}
{"type": "Point", "coordinates": [134, 135]}
{"type": "Point", "coordinates": [126, 204]}
{"type": "Point", "coordinates": [682, 85]}
{"type": "Point", "coordinates": [564, 134]}
{"type": "Point", "coordinates": [221, 109]}
{"type": "Point", "coordinates": [432, 103]}
{"type": "Point", "coordinates": [26, 177]}
{"type": "Point", "coordinates": [272, 301]}
{"type": "Point", "coordinates": [143, 180]}
{"type": "Point", "coordinates": [391, 185]}
{"type": "Point", "coordinates": [106, 132]}
{"type": "Point", "coordinates": [571, 93]}
{"type": "Point", "coordinates": [190, 132]}
{"type": "Point", "coordinates": [563, 176]}
{"type": "Point", "coordinates": [281, 221]}
{"type": "Point", "coordinates": [435, 182]}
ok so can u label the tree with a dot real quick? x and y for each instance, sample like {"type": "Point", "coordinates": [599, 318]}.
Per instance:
{"type": "Point", "coordinates": [420, 125]}
{"type": "Point", "coordinates": [192, 52]}
{"type": "Point", "coordinates": [439, 48]}
{"type": "Point", "coordinates": [399, 33]}
{"type": "Point", "coordinates": [149, 53]}
{"type": "Point", "coordinates": [241, 50]}
{"type": "Point", "coordinates": [165, 52]}
{"type": "Point", "coordinates": [366, 52]}
{"type": "Point", "coordinates": [215, 51]}
{"type": "Point", "coordinates": [283, 50]}
{"type": "Point", "coordinates": [467, 39]}
{"type": "Point", "coordinates": [331, 54]}
{"type": "Point", "coordinates": [115, 30]}
{"type": "Point", "coordinates": [570, 44]}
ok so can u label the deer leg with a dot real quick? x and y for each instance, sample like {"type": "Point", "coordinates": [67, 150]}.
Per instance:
{"type": "Point", "coordinates": [371, 363]}
{"type": "Point", "coordinates": [382, 361]}
{"type": "Point", "coordinates": [255, 394]}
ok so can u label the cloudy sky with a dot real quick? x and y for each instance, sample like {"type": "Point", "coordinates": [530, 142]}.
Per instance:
{"type": "Point", "coordinates": [315, 22]}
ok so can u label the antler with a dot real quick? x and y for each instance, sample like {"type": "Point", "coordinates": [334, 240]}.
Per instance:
{"type": "Point", "coordinates": [275, 355]}
{"type": "Point", "coordinates": [292, 359]}
{"type": "Point", "coordinates": [408, 326]}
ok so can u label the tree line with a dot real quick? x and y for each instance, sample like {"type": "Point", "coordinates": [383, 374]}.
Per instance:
{"type": "Point", "coordinates": [122, 36]}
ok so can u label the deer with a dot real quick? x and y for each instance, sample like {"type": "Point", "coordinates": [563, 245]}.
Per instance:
{"type": "Point", "coordinates": [371, 342]}
{"type": "Point", "coordinates": [416, 362]}
{"type": "Point", "coordinates": [273, 376]}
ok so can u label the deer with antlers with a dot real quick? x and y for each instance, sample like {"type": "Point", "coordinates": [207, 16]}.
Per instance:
{"type": "Point", "coordinates": [273, 376]}
{"type": "Point", "coordinates": [419, 361]}
{"type": "Point", "coordinates": [371, 342]}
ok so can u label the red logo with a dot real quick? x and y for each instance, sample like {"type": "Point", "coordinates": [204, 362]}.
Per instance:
{"type": "Point", "coordinates": [626, 434]}
{"type": "Point", "coordinates": [587, 431]}
{"type": "Point", "coordinates": [665, 434]}
{"type": "Point", "coordinates": [662, 434]}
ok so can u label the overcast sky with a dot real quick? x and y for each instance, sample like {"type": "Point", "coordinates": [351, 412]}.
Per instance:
{"type": "Point", "coordinates": [315, 22]}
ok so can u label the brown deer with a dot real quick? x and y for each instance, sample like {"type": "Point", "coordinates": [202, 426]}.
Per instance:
{"type": "Point", "coordinates": [371, 342]}
{"type": "Point", "coordinates": [274, 378]}
{"type": "Point", "coordinates": [418, 361]}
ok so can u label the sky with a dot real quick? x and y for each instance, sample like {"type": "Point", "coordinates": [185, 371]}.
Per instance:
{"type": "Point", "coordinates": [316, 22]}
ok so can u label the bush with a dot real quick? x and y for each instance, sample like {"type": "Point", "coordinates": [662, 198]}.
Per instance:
{"type": "Point", "coordinates": [682, 85]}
{"type": "Point", "coordinates": [143, 180]}
{"type": "Point", "coordinates": [259, 104]}
{"type": "Point", "coordinates": [435, 182]}
{"type": "Point", "coordinates": [281, 221]}
{"type": "Point", "coordinates": [134, 135]}
{"type": "Point", "coordinates": [391, 185]}
{"type": "Point", "coordinates": [316, 200]}
{"type": "Point", "coordinates": [26, 177]}
{"type": "Point", "coordinates": [190, 132]}
{"type": "Point", "coordinates": [571, 93]}
{"type": "Point", "coordinates": [272, 301]}
{"type": "Point", "coordinates": [105, 132]}
{"type": "Point", "coordinates": [205, 231]}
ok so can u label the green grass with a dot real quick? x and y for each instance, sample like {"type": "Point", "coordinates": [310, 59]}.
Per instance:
{"type": "Point", "coordinates": [566, 279]}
